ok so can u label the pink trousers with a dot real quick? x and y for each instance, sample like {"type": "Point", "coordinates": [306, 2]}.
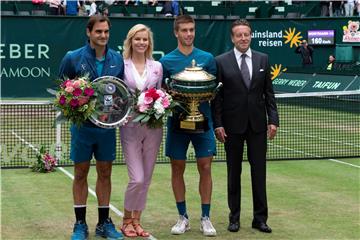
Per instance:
{"type": "Point", "coordinates": [140, 146]}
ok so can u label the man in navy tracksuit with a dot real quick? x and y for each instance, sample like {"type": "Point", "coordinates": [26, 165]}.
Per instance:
{"type": "Point", "coordinates": [87, 140]}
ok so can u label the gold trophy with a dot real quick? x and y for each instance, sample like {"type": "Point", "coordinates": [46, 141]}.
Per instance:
{"type": "Point", "coordinates": [192, 86]}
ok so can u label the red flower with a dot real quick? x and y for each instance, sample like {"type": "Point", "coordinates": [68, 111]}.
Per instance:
{"type": "Point", "coordinates": [89, 92]}
{"type": "Point", "coordinates": [83, 100]}
{"type": "Point", "coordinates": [74, 102]}
{"type": "Point", "coordinates": [77, 92]}
{"type": "Point", "coordinates": [152, 94]}
{"type": "Point", "coordinates": [62, 100]}
{"type": "Point", "coordinates": [103, 117]}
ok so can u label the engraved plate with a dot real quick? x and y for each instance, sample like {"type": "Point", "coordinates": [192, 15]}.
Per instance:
{"type": "Point", "coordinates": [187, 125]}
{"type": "Point", "coordinates": [113, 102]}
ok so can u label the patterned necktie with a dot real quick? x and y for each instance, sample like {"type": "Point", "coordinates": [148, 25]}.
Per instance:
{"type": "Point", "coordinates": [245, 71]}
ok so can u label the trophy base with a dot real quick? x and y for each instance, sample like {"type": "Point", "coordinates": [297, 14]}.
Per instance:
{"type": "Point", "coordinates": [186, 126]}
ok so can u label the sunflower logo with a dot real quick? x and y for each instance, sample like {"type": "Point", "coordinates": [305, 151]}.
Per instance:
{"type": "Point", "coordinates": [276, 70]}
{"type": "Point", "coordinates": [293, 38]}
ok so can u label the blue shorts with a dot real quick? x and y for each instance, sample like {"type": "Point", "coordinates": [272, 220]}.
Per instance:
{"type": "Point", "coordinates": [177, 143]}
{"type": "Point", "coordinates": [88, 140]}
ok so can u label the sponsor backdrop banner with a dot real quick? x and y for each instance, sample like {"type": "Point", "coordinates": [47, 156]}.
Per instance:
{"type": "Point", "coordinates": [297, 82]}
{"type": "Point", "coordinates": [31, 48]}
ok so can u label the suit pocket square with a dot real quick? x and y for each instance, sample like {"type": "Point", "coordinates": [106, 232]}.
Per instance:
{"type": "Point", "coordinates": [261, 70]}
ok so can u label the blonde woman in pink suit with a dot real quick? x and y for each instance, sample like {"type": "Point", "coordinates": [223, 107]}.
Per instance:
{"type": "Point", "coordinates": [140, 144]}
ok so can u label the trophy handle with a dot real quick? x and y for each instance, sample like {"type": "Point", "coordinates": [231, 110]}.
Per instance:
{"type": "Point", "coordinates": [167, 81]}
{"type": "Point", "coordinates": [217, 89]}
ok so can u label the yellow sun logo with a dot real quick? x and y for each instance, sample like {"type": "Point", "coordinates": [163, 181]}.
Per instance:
{"type": "Point", "coordinates": [293, 38]}
{"type": "Point", "coordinates": [276, 70]}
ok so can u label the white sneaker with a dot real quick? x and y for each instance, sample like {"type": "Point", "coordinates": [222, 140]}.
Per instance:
{"type": "Point", "coordinates": [182, 225]}
{"type": "Point", "coordinates": [206, 227]}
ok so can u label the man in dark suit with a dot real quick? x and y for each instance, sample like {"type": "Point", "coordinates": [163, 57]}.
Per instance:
{"type": "Point", "coordinates": [245, 110]}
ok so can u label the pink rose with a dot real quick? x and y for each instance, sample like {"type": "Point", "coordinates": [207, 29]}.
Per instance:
{"type": "Point", "coordinates": [74, 102]}
{"type": "Point", "coordinates": [76, 84]}
{"type": "Point", "coordinates": [68, 83]}
{"type": "Point", "coordinates": [165, 102]}
{"type": "Point", "coordinates": [63, 85]}
{"type": "Point", "coordinates": [148, 100]}
{"type": "Point", "coordinates": [77, 92]}
{"type": "Point", "coordinates": [69, 89]}
{"type": "Point", "coordinates": [83, 100]}
{"type": "Point", "coordinates": [62, 100]}
{"type": "Point", "coordinates": [89, 92]}
{"type": "Point", "coordinates": [143, 108]}
{"type": "Point", "coordinates": [161, 93]}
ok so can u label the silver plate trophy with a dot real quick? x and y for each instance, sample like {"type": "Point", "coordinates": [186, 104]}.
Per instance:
{"type": "Point", "coordinates": [113, 102]}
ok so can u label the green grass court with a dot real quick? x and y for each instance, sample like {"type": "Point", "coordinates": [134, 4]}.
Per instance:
{"type": "Point", "coordinates": [307, 200]}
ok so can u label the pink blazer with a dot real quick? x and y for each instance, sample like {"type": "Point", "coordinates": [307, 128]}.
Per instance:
{"type": "Point", "coordinates": [154, 77]}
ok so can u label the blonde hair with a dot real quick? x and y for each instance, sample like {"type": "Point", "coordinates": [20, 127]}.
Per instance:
{"type": "Point", "coordinates": [127, 43]}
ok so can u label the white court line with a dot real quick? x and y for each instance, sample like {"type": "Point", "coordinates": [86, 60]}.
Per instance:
{"type": "Point", "coordinates": [112, 207]}
{"type": "Point", "coordinates": [313, 155]}
{"type": "Point", "coordinates": [321, 138]}
{"type": "Point", "coordinates": [24, 141]}
{"type": "Point", "coordinates": [92, 192]}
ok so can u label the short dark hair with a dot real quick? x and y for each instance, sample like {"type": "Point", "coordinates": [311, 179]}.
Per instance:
{"type": "Point", "coordinates": [182, 19]}
{"type": "Point", "coordinates": [97, 18]}
{"type": "Point", "coordinates": [240, 22]}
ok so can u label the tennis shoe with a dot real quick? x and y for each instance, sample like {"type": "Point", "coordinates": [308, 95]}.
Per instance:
{"type": "Point", "coordinates": [107, 230]}
{"type": "Point", "coordinates": [80, 231]}
{"type": "Point", "coordinates": [206, 227]}
{"type": "Point", "coordinates": [182, 225]}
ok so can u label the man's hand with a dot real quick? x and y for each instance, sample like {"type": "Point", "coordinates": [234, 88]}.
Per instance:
{"type": "Point", "coordinates": [271, 131]}
{"type": "Point", "coordinates": [220, 134]}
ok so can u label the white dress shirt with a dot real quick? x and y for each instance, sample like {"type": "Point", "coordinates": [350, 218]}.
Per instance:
{"type": "Point", "coordinates": [248, 60]}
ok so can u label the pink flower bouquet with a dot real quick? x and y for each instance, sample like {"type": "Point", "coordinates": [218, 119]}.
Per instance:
{"type": "Point", "coordinates": [152, 106]}
{"type": "Point", "coordinates": [75, 100]}
{"type": "Point", "coordinates": [45, 162]}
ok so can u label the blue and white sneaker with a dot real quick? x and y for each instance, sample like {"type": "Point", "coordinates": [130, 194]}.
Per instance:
{"type": "Point", "coordinates": [107, 230]}
{"type": "Point", "coordinates": [80, 231]}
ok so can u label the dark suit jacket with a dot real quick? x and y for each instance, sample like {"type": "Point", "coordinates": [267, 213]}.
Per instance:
{"type": "Point", "coordinates": [236, 106]}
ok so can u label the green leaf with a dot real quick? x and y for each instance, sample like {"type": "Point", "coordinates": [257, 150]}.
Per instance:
{"type": "Point", "coordinates": [42, 150]}
{"type": "Point", "coordinates": [139, 118]}
{"type": "Point", "coordinates": [51, 91]}
{"type": "Point", "coordinates": [145, 119]}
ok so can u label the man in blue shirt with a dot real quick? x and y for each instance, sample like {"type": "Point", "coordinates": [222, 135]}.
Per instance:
{"type": "Point", "coordinates": [71, 7]}
{"type": "Point", "coordinates": [96, 60]}
{"type": "Point", "coordinates": [177, 142]}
